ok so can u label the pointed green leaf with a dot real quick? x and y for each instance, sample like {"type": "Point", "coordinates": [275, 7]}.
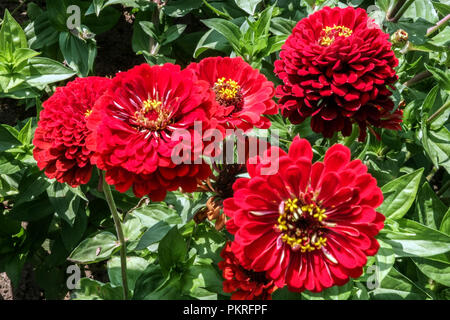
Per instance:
{"type": "Point", "coordinates": [399, 194]}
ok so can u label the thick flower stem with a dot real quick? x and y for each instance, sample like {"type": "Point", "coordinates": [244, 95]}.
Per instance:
{"type": "Point", "coordinates": [439, 24]}
{"type": "Point", "coordinates": [154, 45]}
{"type": "Point", "coordinates": [350, 139]}
{"type": "Point", "coordinates": [118, 224]}
{"type": "Point", "coordinates": [417, 78]}
{"type": "Point", "coordinates": [438, 112]}
{"type": "Point", "coordinates": [401, 11]}
{"type": "Point", "coordinates": [391, 14]}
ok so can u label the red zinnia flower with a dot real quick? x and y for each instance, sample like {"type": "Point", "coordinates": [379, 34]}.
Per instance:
{"type": "Point", "coordinates": [335, 67]}
{"type": "Point", "coordinates": [243, 93]}
{"type": "Point", "coordinates": [307, 226]}
{"type": "Point", "coordinates": [242, 283]}
{"type": "Point", "coordinates": [133, 127]}
{"type": "Point", "coordinates": [59, 139]}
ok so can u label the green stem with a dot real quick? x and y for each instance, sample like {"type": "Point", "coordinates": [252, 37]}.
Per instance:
{"type": "Point", "coordinates": [443, 189]}
{"type": "Point", "coordinates": [402, 10]}
{"type": "Point", "coordinates": [218, 12]}
{"type": "Point", "coordinates": [123, 245]}
{"type": "Point", "coordinates": [391, 14]}
{"type": "Point", "coordinates": [438, 112]}
{"type": "Point", "coordinates": [432, 173]}
{"type": "Point", "coordinates": [417, 78]}
{"type": "Point", "coordinates": [350, 139]}
{"type": "Point", "coordinates": [154, 45]}
{"type": "Point", "coordinates": [333, 140]}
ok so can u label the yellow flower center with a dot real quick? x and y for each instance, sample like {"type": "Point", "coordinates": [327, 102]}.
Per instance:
{"type": "Point", "coordinates": [228, 92]}
{"type": "Point", "coordinates": [329, 34]}
{"type": "Point", "coordinates": [87, 113]}
{"type": "Point", "coordinates": [302, 225]}
{"type": "Point", "coordinates": [152, 115]}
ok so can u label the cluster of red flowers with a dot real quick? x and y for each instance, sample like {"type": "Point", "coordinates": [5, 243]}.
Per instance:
{"type": "Point", "coordinates": [305, 226]}
{"type": "Point", "coordinates": [127, 126]}
{"type": "Point", "coordinates": [335, 67]}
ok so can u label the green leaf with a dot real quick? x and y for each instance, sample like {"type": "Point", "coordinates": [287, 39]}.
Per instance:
{"type": "Point", "coordinates": [396, 286]}
{"type": "Point", "coordinates": [173, 33]}
{"type": "Point", "coordinates": [64, 201]}
{"type": "Point", "coordinates": [43, 71]}
{"type": "Point", "coordinates": [153, 235]}
{"type": "Point", "coordinates": [79, 54]}
{"type": "Point", "coordinates": [202, 281]}
{"type": "Point", "coordinates": [155, 212]}
{"type": "Point", "coordinates": [32, 211]}
{"type": "Point", "coordinates": [416, 29]}
{"type": "Point", "coordinates": [180, 8]}
{"type": "Point", "coordinates": [211, 40]}
{"type": "Point", "coordinates": [442, 39]}
{"type": "Point", "coordinates": [248, 6]}
{"type": "Point", "coordinates": [228, 29]}
{"type": "Point", "coordinates": [445, 225]}
{"type": "Point", "coordinates": [41, 33]}
{"type": "Point", "coordinates": [428, 103]}
{"type": "Point", "coordinates": [422, 8]}
{"type": "Point", "coordinates": [172, 250]}
{"type": "Point", "coordinates": [263, 23]}
{"type": "Point", "coordinates": [31, 187]}
{"type": "Point", "coordinates": [96, 248]}
{"type": "Point", "coordinates": [412, 239]}
{"type": "Point", "coordinates": [135, 267]}
{"type": "Point", "coordinates": [208, 243]}
{"type": "Point", "coordinates": [436, 270]}
{"type": "Point", "coordinates": [9, 165]}
{"type": "Point", "coordinates": [95, 290]}
{"type": "Point", "coordinates": [126, 3]}
{"type": "Point", "coordinates": [12, 36]}
{"type": "Point", "coordinates": [439, 147]}
{"type": "Point", "coordinates": [280, 26]}
{"type": "Point", "coordinates": [360, 292]}
{"type": "Point", "coordinates": [399, 194]}
{"type": "Point", "coordinates": [442, 77]}
{"type": "Point", "coordinates": [334, 293]}
{"type": "Point", "coordinates": [22, 55]}
{"type": "Point", "coordinates": [57, 13]}
{"type": "Point", "coordinates": [285, 294]}
{"type": "Point", "coordinates": [98, 4]}
{"type": "Point", "coordinates": [385, 259]}
{"type": "Point", "coordinates": [443, 8]}
{"type": "Point", "coordinates": [150, 29]}
{"type": "Point", "coordinates": [25, 133]}
{"type": "Point", "coordinates": [132, 227]}
{"type": "Point", "coordinates": [153, 285]}
{"type": "Point", "coordinates": [7, 140]}
{"type": "Point", "coordinates": [71, 235]}
{"type": "Point", "coordinates": [429, 208]}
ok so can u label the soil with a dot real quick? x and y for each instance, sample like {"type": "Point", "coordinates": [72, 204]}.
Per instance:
{"type": "Point", "coordinates": [27, 289]}
{"type": "Point", "coordinates": [5, 287]}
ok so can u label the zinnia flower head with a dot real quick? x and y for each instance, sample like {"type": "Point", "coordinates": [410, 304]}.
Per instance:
{"type": "Point", "coordinates": [134, 127]}
{"type": "Point", "coordinates": [242, 283]}
{"type": "Point", "coordinates": [60, 138]}
{"type": "Point", "coordinates": [335, 67]}
{"type": "Point", "coordinates": [243, 94]}
{"type": "Point", "coordinates": [308, 226]}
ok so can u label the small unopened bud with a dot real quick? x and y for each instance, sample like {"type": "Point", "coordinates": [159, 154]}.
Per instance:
{"type": "Point", "coordinates": [399, 38]}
